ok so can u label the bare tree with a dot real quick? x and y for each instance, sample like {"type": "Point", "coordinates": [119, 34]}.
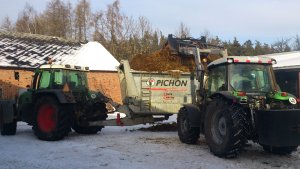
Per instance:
{"type": "Point", "coordinates": [297, 42]}
{"type": "Point", "coordinates": [57, 19]}
{"type": "Point", "coordinates": [26, 21]}
{"type": "Point", "coordinates": [129, 27]}
{"type": "Point", "coordinates": [282, 45]}
{"type": "Point", "coordinates": [82, 19]}
{"type": "Point", "coordinates": [143, 26]}
{"type": "Point", "coordinates": [98, 27]}
{"type": "Point", "coordinates": [7, 24]}
{"type": "Point", "coordinates": [183, 31]}
{"type": "Point", "coordinates": [123, 36]}
{"type": "Point", "coordinates": [114, 21]}
{"type": "Point", "coordinates": [113, 25]}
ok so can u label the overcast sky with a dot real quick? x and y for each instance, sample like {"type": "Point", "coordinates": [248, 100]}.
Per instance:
{"type": "Point", "coordinates": [263, 20]}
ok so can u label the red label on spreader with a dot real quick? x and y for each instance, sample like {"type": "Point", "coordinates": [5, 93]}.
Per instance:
{"type": "Point", "coordinates": [150, 82]}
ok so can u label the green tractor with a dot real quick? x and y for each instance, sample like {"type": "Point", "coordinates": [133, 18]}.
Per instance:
{"type": "Point", "coordinates": [238, 100]}
{"type": "Point", "coordinates": [59, 99]}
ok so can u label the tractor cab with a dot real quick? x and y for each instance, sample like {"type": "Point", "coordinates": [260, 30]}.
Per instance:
{"type": "Point", "coordinates": [57, 76]}
{"type": "Point", "coordinates": [248, 80]}
{"type": "Point", "coordinates": [241, 74]}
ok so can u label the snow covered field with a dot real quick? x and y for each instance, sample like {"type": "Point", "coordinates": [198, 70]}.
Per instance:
{"type": "Point", "coordinates": [126, 147]}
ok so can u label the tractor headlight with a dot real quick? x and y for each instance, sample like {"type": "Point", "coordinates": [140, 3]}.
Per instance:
{"type": "Point", "coordinates": [292, 100]}
{"type": "Point", "coordinates": [93, 96]}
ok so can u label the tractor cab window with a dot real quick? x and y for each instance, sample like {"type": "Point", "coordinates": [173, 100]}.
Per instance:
{"type": "Point", "coordinates": [45, 79]}
{"type": "Point", "coordinates": [76, 80]}
{"type": "Point", "coordinates": [58, 79]}
{"type": "Point", "coordinates": [251, 78]}
{"type": "Point", "coordinates": [51, 79]}
{"type": "Point", "coordinates": [217, 79]}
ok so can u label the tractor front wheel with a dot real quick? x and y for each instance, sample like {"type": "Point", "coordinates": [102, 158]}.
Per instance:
{"type": "Point", "coordinates": [53, 121]}
{"type": "Point", "coordinates": [186, 133]}
{"type": "Point", "coordinates": [225, 128]}
{"type": "Point", "coordinates": [99, 112]}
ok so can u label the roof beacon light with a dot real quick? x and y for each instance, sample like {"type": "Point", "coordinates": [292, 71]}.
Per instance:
{"type": "Point", "coordinates": [68, 66]}
{"type": "Point", "coordinates": [77, 67]}
{"type": "Point", "coordinates": [229, 60]}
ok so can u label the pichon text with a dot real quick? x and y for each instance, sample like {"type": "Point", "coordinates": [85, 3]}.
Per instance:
{"type": "Point", "coordinates": [171, 83]}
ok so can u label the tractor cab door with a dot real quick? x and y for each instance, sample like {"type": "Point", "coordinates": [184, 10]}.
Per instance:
{"type": "Point", "coordinates": [217, 80]}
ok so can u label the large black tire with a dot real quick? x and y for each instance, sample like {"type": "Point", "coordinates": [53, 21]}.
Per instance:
{"type": "Point", "coordinates": [186, 133]}
{"type": "Point", "coordinates": [53, 121]}
{"type": "Point", "coordinates": [8, 128]}
{"type": "Point", "coordinates": [280, 150]}
{"type": "Point", "coordinates": [226, 128]}
{"type": "Point", "coordinates": [101, 114]}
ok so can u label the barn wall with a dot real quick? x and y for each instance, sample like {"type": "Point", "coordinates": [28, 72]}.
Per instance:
{"type": "Point", "coordinates": [9, 86]}
{"type": "Point", "coordinates": [106, 82]}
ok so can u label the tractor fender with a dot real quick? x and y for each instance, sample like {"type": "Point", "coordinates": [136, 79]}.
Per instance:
{"type": "Point", "coordinates": [58, 94]}
{"type": "Point", "coordinates": [194, 114]}
{"type": "Point", "coordinates": [223, 94]}
{"type": "Point", "coordinates": [7, 111]}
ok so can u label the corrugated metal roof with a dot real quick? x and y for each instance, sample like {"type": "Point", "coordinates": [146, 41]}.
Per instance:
{"type": "Point", "coordinates": [31, 51]}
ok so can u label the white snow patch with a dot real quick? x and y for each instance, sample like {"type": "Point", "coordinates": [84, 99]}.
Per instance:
{"type": "Point", "coordinates": [93, 55]}
{"type": "Point", "coordinates": [127, 148]}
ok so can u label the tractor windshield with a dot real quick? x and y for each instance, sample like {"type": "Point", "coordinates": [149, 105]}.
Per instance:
{"type": "Point", "coordinates": [57, 78]}
{"type": "Point", "coordinates": [52, 79]}
{"type": "Point", "coordinates": [251, 78]}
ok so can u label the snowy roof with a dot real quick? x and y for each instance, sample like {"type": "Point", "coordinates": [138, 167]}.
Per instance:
{"type": "Point", "coordinates": [93, 55]}
{"type": "Point", "coordinates": [286, 60]}
{"type": "Point", "coordinates": [31, 51]}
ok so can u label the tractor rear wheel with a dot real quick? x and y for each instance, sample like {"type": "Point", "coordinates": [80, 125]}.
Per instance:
{"type": "Point", "coordinates": [280, 150]}
{"type": "Point", "coordinates": [53, 121]}
{"type": "Point", "coordinates": [8, 128]}
{"type": "Point", "coordinates": [225, 128]}
{"type": "Point", "coordinates": [186, 133]}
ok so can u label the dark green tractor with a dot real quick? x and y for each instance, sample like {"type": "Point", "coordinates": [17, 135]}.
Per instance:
{"type": "Point", "coordinates": [58, 100]}
{"type": "Point", "coordinates": [239, 100]}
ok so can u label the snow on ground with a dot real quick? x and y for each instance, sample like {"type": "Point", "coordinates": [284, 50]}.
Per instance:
{"type": "Point", "coordinates": [126, 147]}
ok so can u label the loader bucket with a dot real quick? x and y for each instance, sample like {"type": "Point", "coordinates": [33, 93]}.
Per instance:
{"type": "Point", "coordinates": [279, 127]}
